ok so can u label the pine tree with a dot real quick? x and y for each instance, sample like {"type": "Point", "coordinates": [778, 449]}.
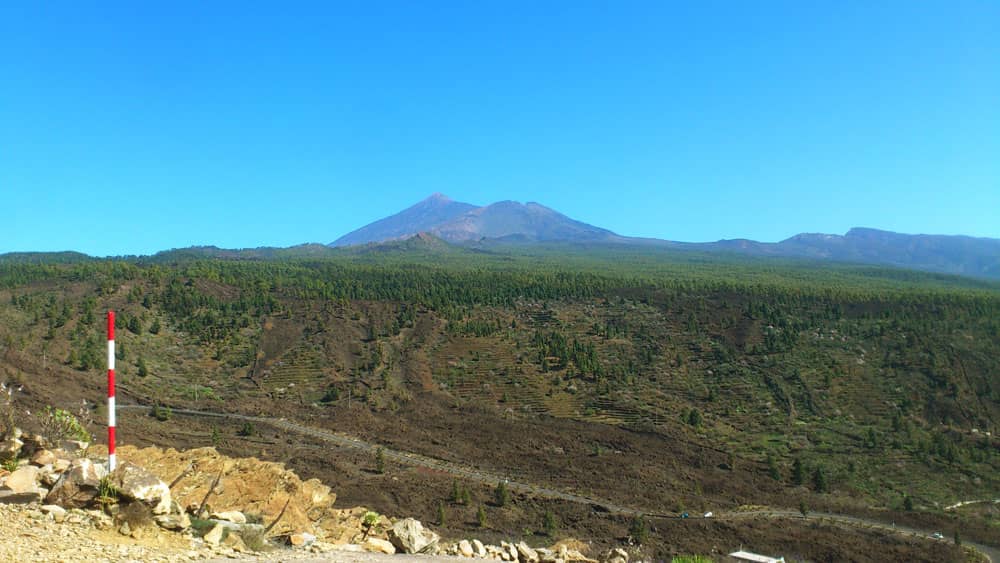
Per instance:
{"type": "Point", "coordinates": [501, 495]}
{"type": "Point", "coordinates": [772, 468]}
{"type": "Point", "coordinates": [549, 524]}
{"type": "Point", "coordinates": [481, 516]}
{"type": "Point", "coordinates": [819, 480]}
{"type": "Point", "coordinates": [380, 460]}
{"type": "Point", "coordinates": [638, 530]}
{"type": "Point", "coordinates": [798, 472]}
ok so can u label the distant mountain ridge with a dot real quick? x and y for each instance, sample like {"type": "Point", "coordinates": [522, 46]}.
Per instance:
{"type": "Point", "coordinates": [458, 222]}
{"type": "Point", "coordinates": [528, 223]}
{"type": "Point", "coordinates": [950, 254]}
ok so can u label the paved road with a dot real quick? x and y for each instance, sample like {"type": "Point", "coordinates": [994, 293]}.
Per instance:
{"type": "Point", "coordinates": [478, 475]}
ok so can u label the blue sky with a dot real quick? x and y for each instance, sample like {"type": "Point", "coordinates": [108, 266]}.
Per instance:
{"type": "Point", "coordinates": [133, 127]}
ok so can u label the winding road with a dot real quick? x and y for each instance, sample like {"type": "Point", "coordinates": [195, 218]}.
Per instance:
{"type": "Point", "coordinates": [992, 554]}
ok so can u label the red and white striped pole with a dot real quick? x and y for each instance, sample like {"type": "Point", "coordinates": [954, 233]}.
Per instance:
{"type": "Point", "coordinates": [111, 390]}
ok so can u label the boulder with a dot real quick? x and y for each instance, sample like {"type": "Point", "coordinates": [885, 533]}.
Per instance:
{"type": "Point", "coordinates": [73, 446]}
{"type": "Point", "coordinates": [136, 483]}
{"type": "Point", "coordinates": [177, 522]}
{"type": "Point", "coordinates": [479, 548]}
{"type": "Point", "coordinates": [23, 480]}
{"type": "Point", "coordinates": [214, 536]}
{"type": "Point", "coordinates": [465, 549]}
{"type": "Point", "coordinates": [409, 536]}
{"type": "Point", "coordinates": [230, 516]}
{"type": "Point", "coordinates": [43, 457]}
{"type": "Point", "coordinates": [376, 545]}
{"type": "Point", "coordinates": [572, 554]}
{"type": "Point", "coordinates": [47, 475]}
{"type": "Point", "coordinates": [527, 554]}
{"type": "Point", "coordinates": [78, 485]}
{"type": "Point", "coordinates": [61, 465]}
{"type": "Point", "coordinates": [511, 550]}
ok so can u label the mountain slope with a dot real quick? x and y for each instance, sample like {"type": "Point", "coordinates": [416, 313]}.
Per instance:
{"type": "Point", "coordinates": [527, 222]}
{"type": "Point", "coordinates": [423, 216]}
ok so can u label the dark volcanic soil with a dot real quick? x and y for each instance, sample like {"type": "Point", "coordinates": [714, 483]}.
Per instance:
{"type": "Point", "coordinates": [651, 472]}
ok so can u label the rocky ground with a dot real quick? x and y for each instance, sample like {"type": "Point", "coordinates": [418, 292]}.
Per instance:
{"type": "Point", "coordinates": [59, 502]}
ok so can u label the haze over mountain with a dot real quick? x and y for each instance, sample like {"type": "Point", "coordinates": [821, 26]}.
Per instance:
{"type": "Point", "coordinates": [513, 222]}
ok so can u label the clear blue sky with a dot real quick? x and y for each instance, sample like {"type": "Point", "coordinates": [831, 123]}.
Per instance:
{"type": "Point", "coordinates": [134, 127]}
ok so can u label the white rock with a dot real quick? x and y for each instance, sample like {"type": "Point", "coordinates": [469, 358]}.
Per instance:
{"type": "Point", "coordinates": [230, 516]}
{"type": "Point", "coordinates": [377, 545]}
{"type": "Point", "coordinates": [465, 549]}
{"type": "Point", "coordinates": [302, 539]}
{"type": "Point", "coordinates": [527, 554]}
{"type": "Point", "coordinates": [409, 536]}
{"type": "Point", "coordinates": [479, 548]}
{"type": "Point", "coordinates": [58, 513]}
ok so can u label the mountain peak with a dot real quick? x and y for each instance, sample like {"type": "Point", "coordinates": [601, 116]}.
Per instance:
{"type": "Point", "coordinates": [423, 216]}
{"type": "Point", "coordinates": [456, 222]}
{"type": "Point", "coordinates": [437, 197]}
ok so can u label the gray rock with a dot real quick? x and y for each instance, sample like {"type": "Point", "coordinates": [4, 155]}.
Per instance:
{"type": "Point", "coordinates": [409, 536]}
{"type": "Point", "coordinates": [173, 521]}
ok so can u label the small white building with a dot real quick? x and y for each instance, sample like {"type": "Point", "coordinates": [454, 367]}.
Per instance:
{"type": "Point", "coordinates": [754, 558]}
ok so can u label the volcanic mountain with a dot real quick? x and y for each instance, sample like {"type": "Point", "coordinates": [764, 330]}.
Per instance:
{"type": "Point", "coordinates": [436, 210]}
{"type": "Point", "coordinates": [455, 222]}
{"type": "Point", "coordinates": [530, 223]}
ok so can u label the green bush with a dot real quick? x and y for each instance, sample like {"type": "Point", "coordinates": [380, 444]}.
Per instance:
{"type": "Point", "coordinates": [638, 530]}
{"type": "Point", "coordinates": [59, 424]}
{"type": "Point", "coordinates": [162, 414]}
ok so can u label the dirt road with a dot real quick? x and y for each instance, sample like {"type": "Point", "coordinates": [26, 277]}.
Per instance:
{"type": "Point", "coordinates": [992, 554]}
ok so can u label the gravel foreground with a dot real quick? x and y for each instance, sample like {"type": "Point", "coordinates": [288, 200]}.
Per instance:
{"type": "Point", "coordinates": [30, 535]}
